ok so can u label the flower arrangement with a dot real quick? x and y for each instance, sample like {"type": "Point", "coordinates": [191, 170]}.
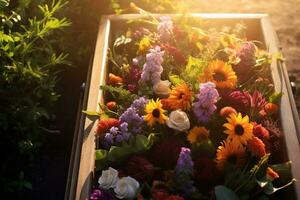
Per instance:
{"type": "Point", "coordinates": [190, 112]}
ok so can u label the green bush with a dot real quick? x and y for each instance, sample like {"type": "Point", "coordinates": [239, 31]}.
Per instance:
{"type": "Point", "coordinates": [28, 75]}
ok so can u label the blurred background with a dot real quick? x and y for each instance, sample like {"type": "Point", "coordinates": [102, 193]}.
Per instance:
{"type": "Point", "coordinates": [38, 168]}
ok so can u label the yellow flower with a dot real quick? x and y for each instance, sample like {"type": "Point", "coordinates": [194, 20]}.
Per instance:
{"type": "Point", "coordinates": [144, 44]}
{"type": "Point", "coordinates": [238, 128]}
{"type": "Point", "coordinates": [219, 73]}
{"type": "Point", "coordinates": [230, 153]}
{"type": "Point", "coordinates": [155, 113]}
{"type": "Point", "coordinates": [198, 134]}
{"type": "Point", "coordinates": [180, 97]}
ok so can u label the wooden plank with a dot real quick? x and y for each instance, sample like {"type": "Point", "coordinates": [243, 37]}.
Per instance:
{"type": "Point", "coordinates": [286, 114]}
{"type": "Point", "coordinates": [87, 159]}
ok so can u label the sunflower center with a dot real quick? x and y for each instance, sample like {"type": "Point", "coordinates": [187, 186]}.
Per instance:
{"type": "Point", "coordinates": [239, 130]}
{"type": "Point", "coordinates": [156, 113]}
{"type": "Point", "coordinates": [232, 159]}
{"type": "Point", "coordinates": [219, 76]}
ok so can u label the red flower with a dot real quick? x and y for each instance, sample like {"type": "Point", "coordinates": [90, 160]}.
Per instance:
{"type": "Point", "coordinates": [260, 131]}
{"type": "Point", "coordinates": [176, 53]}
{"type": "Point", "coordinates": [111, 105]}
{"type": "Point", "coordinates": [165, 152]}
{"type": "Point", "coordinates": [105, 124]}
{"type": "Point", "coordinates": [175, 197]}
{"type": "Point", "coordinates": [256, 147]}
{"type": "Point", "coordinates": [140, 168]}
{"type": "Point", "coordinates": [159, 195]}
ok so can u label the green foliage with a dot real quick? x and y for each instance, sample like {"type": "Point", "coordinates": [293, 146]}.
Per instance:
{"type": "Point", "coordinates": [118, 153]}
{"type": "Point", "coordinates": [120, 94]}
{"type": "Point", "coordinates": [28, 76]}
{"type": "Point", "coordinates": [224, 193]}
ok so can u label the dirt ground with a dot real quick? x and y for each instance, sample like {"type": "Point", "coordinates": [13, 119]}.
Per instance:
{"type": "Point", "coordinates": [285, 17]}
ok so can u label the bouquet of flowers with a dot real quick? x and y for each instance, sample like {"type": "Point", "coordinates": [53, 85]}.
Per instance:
{"type": "Point", "coordinates": [190, 112]}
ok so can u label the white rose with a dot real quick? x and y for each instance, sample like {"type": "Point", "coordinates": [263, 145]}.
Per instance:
{"type": "Point", "coordinates": [126, 188]}
{"type": "Point", "coordinates": [178, 120]}
{"type": "Point", "coordinates": [108, 178]}
{"type": "Point", "coordinates": [162, 88]}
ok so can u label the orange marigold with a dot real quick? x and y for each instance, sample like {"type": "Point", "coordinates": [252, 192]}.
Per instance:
{"type": "Point", "coordinates": [180, 97]}
{"type": "Point", "coordinates": [226, 111]}
{"type": "Point", "coordinates": [105, 124]}
{"type": "Point", "coordinates": [256, 147]}
{"type": "Point", "coordinates": [271, 108]}
{"type": "Point", "coordinates": [114, 79]}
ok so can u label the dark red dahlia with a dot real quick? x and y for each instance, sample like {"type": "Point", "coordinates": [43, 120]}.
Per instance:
{"type": "Point", "coordinates": [179, 33]}
{"type": "Point", "coordinates": [246, 53]}
{"type": "Point", "coordinates": [140, 168]}
{"type": "Point", "coordinates": [165, 152]}
{"type": "Point", "coordinates": [176, 54]}
{"type": "Point", "coordinates": [206, 172]}
{"type": "Point", "coordinates": [240, 100]}
{"type": "Point", "coordinates": [132, 78]}
{"type": "Point", "coordinates": [258, 101]}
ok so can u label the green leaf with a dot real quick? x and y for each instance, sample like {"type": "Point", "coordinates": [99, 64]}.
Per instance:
{"type": "Point", "coordinates": [224, 193]}
{"type": "Point", "coordinates": [4, 3]}
{"type": "Point", "coordinates": [175, 79]}
{"type": "Point", "coordinates": [270, 189]}
{"type": "Point", "coordinates": [284, 171]}
{"type": "Point", "coordinates": [275, 97]}
{"type": "Point", "coordinates": [122, 40]}
{"type": "Point", "coordinates": [91, 113]}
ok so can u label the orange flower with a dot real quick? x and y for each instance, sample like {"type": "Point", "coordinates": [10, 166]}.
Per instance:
{"type": "Point", "coordinates": [271, 174]}
{"type": "Point", "coordinates": [105, 124]}
{"type": "Point", "coordinates": [198, 135]}
{"type": "Point", "coordinates": [180, 97]}
{"type": "Point", "coordinates": [219, 73]}
{"type": "Point", "coordinates": [271, 108]}
{"type": "Point", "coordinates": [226, 111]}
{"type": "Point", "coordinates": [114, 79]}
{"type": "Point", "coordinates": [230, 153]}
{"type": "Point", "coordinates": [111, 105]}
{"type": "Point", "coordinates": [256, 147]}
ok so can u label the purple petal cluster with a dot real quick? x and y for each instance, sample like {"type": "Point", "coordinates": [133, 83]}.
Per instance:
{"type": "Point", "coordinates": [165, 27]}
{"type": "Point", "coordinates": [98, 194]}
{"type": "Point", "coordinates": [140, 104]}
{"type": "Point", "coordinates": [206, 100]}
{"type": "Point", "coordinates": [152, 69]}
{"type": "Point", "coordinates": [117, 135]}
{"type": "Point", "coordinates": [185, 163]}
{"type": "Point", "coordinates": [133, 119]}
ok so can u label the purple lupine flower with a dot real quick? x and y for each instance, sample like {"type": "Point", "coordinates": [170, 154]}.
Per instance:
{"type": "Point", "coordinates": [165, 27]}
{"type": "Point", "coordinates": [140, 104]}
{"type": "Point", "coordinates": [205, 106]}
{"type": "Point", "coordinates": [98, 194]}
{"type": "Point", "coordinates": [152, 69]}
{"type": "Point", "coordinates": [182, 181]}
{"type": "Point", "coordinates": [184, 163]}
{"type": "Point", "coordinates": [133, 119]}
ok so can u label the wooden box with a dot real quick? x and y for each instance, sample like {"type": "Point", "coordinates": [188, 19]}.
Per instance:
{"type": "Point", "coordinates": [79, 182]}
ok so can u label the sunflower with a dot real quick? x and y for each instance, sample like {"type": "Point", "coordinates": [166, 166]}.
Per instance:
{"type": "Point", "coordinates": [219, 73]}
{"type": "Point", "coordinates": [198, 134]}
{"type": "Point", "coordinates": [155, 113]}
{"type": "Point", "coordinates": [180, 97]}
{"type": "Point", "coordinates": [238, 128]}
{"type": "Point", "coordinates": [230, 153]}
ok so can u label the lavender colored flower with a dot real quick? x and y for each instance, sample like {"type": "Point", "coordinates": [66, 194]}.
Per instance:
{"type": "Point", "coordinates": [116, 135]}
{"type": "Point", "coordinates": [133, 119]}
{"type": "Point", "coordinates": [152, 69]}
{"type": "Point", "coordinates": [185, 163]}
{"type": "Point", "coordinates": [140, 104]}
{"type": "Point", "coordinates": [182, 181]}
{"type": "Point", "coordinates": [205, 106]}
{"type": "Point", "coordinates": [98, 194]}
{"type": "Point", "coordinates": [165, 27]}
